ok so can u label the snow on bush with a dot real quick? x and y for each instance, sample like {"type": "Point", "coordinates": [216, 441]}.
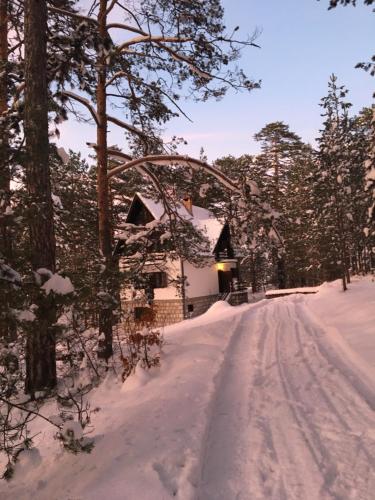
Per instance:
{"type": "Point", "coordinates": [58, 284]}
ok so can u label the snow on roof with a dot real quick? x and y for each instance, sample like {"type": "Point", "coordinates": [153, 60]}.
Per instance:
{"type": "Point", "coordinates": [202, 219]}
{"type": "Point", "coordinates": [156, 208]}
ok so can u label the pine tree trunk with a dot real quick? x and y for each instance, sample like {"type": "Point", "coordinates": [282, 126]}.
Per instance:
{"type": "Point", "coordinates": [40, 346]}
{"type": "Point", "coordinates": [344, 287]}
{"type": "Point", "coordinates": [5, 246]}
{"type": "Point", "coordinates": [253, 271]}
{"type": "Point", "coordinates": [281, 276]}
{"type": "Point", "coordinates": [105, 313]}
{"type": "Point", "coordinates": [7, 330]}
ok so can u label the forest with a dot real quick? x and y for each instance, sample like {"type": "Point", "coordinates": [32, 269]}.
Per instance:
{"type": "Point", "coordinates": [300, 214]}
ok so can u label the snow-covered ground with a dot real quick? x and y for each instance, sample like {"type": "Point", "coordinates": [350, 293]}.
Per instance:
{"type": "Point", "coordinates": [273, 400]}
{"type": "Point", "coordinates": [287, 291]}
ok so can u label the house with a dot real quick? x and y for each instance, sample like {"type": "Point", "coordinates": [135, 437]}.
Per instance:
{"type": "Point", "coordinates": [171, 298]}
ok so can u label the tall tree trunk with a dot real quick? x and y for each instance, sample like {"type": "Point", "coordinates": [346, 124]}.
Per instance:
{"type": "Point", "coordinates": [253, 273]}
{"type": "Point", "coordinates": [4, 164]}
{"type": "Point", "coordinates": [40, 347]}
{"type": "Point", "coordinates": [7, 328]}
{"type": "Point", "coordinates": [5, 244]}
{"type": "Point", "coordinates": [105, 314]}
{"type": "Point", "coordinates": [5, 234]}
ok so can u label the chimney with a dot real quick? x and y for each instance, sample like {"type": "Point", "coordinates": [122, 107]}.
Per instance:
{"type": "Point", "coordinates": [188, 204]}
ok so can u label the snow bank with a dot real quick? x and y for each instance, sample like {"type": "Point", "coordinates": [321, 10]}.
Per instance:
{"type": "Point", "coordinates": [148, 433]}
{"type": "Point", "coordinates": [284, 291]}
{"type": "Point", "coordinates": [350, 314]}
{"type": "Point", "coordinates": [152, 432]}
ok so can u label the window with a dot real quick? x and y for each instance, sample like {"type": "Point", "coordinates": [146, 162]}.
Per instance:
{"type": "Point", "coordinates": [149, 281]}
{"type": "Point", "coordinates": [144, 314]}
{"type": "Point", "coordinates": [158, 280]}
{"type": "Point", "coordinates": [190, 308]}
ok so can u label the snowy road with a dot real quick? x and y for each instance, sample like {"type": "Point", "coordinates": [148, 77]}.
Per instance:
{"type": "Point", "coordinates": [269, 401]}
{"type": "Point", "coordinates": [292, 417]}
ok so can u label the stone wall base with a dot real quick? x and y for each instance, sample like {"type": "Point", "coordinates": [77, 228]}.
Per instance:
{"type": "Point", "coordinates": [168, 312]}
{"type": "Point", "coordinates": [165, 312]}
{"type": "Point", "coordinates": [196, 306]}
{"type": "Point", "coordinates": [237, 298]}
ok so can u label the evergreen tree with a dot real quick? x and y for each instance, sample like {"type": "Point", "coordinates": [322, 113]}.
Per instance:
{"type": "Point", "coordinates": [281, 157]}
{"type": "Point", "coordinates": [333, 182]}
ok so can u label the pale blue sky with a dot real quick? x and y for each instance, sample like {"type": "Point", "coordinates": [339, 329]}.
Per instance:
{"type": "Point", "coordinates": [301, 45]}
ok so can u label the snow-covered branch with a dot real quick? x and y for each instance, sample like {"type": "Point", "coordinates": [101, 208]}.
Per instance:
{"type": "Point", "coordinates": [181, 58]}
{"type": "Point", "coordinates": [114, 153]}
{"type": "Point", "coordinates": [167, 160]}
{"type": "Point", "coordinates": [153, 38]}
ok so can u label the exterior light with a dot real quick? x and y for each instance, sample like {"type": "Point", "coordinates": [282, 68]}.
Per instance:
{"type": "Point", "coordinates": [220, 266]}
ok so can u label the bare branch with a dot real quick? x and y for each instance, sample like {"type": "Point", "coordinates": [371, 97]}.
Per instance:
{"type": "Point", "coordinates": [27, 410]}
{"type": "Point", "coordinates": [75, 15]}
{"type": "Point", "coordinates": [83, 101]}
{"type": "Point", "coordinates": [119, 74]}
{"type": "Point", "coordinates": [127, 126]}
{"type": "Point", "coordinates": [111, 5]}
{"type": "Point", "coordinates": [125, 27]}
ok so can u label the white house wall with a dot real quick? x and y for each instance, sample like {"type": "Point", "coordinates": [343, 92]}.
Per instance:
{"type": "Point", "coordinates": [202, 280]}
{"type": "Point", "coordinates": [173, 269]}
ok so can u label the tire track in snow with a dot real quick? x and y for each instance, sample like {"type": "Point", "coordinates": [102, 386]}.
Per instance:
{"type": "Point", "coordinates": [346, 474]}
{"type": "Point", "coordinates": [283, 426]}
{"type": "Point", "coordinates": [349, 424]}
{"type": "Point", "coordinates": [262, 466]}
{"type": "Point", "coordinates": [314, 444]}
{"type": "Point", "coordinates": [224, 452]}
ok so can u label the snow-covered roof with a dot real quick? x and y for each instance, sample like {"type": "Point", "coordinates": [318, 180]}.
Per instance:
{"type": "Point", "coordinates": [202, 219]}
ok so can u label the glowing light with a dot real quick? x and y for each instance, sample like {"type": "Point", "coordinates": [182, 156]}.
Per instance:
{"type": "Point", "coordinates": [220, 266]}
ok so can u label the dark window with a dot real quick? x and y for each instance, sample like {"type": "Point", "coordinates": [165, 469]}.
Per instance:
{"type": "Point", "coordinates": [149, 281]}
{"type": "Point", "coordinates": [190, 308]}
{"type": "Point", "coordinates": [145, 314]}
{"type": "Point", "coordinates": [138, 312]}
{"type": "Point", "coordinates": [158, 280]}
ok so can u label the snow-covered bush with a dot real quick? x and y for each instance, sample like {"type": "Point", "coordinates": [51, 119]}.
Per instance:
{"type": "Point", "coordinates": [143, 347]}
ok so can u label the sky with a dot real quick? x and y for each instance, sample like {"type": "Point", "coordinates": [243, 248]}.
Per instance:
{"type": "Point", "coordinates": [301, 45]}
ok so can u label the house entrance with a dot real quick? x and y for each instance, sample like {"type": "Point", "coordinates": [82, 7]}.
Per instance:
{"type": "Point", "coordinates": [228, 280]}
{"type": "Point", "coordinates": [225, 281]}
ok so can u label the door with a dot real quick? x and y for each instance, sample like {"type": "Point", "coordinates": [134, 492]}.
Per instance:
{"type": "Point", "coordinates": [225, 280]}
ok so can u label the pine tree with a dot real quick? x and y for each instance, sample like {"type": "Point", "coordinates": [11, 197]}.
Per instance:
{"type": "Point", "coordinates": [40, 350]}
{"type": "Point", "coordinates": [282, 151]}
{"type": "Point", "coordinates": [333, 183]}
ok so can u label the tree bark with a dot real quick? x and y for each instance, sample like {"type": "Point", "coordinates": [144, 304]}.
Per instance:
{"type": "Point", "coordinates": [105, 313]}
{"type": "Point", "coordinates": [7, 328]}
{"type": "Point", "coordinates": [40, 346]}
{"type": "Point", "coordinates": [5, 239]}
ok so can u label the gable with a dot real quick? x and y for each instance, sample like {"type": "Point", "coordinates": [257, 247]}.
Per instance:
{"type": "Point", "coordinates": [223, 247]}
{"type": "Point", "coordinates": [144, 210]}
{"type": "Point", "coordinates": [139, 214]}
